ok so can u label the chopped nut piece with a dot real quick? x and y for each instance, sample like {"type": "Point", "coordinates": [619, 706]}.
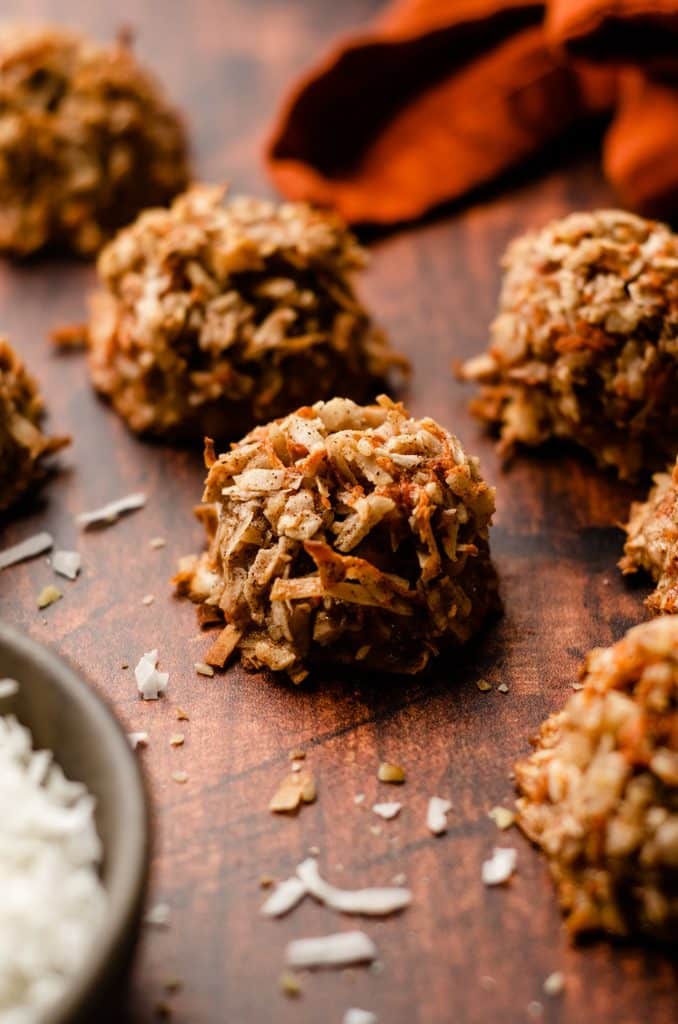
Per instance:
{"type": "Point", "coordinates": [652, 541]}
{"type": "Point", "coordinates": [483, 685]}
{"type": "Point", "coordinates": [180, 777]}
{"type": "Point", "coordinates": [48, 595]}
{"type": "Point", "coordinates": [148, 599]}
{"type": "Point", "coordinates": [88, 140]}
{"type": "Point", "coordinates": [289, 985]}
{"type": "Point", "coordinates": [266, 881]}
{"type": "Point", "coordinates": [297, 754]}
{"type": "Point", "coordinates": [181, 715]}
{"type": "Point", "coordinates": [67, 563]}
{"type": "Point", "coordinates": [389, 772]}
{"type": "Point", "coordinates": [295, 789]}
{"type": "Point", "coordinates": [203, 670]}
{"type": "Point", "coordinates": [137, 739]}
{"type": "Point", "coordinates": [157, 542]}
{"type": "Point", "coordinates": [343, 527]}
{"type": "Point", "coordinates": [600, 791]}
{"type": "Point", "coordinates": [23, 446]}
{"type": "Point", "coordinates": [502, 688]}
{"type": "Point", "coordinates": [584, 346]}
{"type": "Point", "coordinates": [213, 316]}
{"type": "Point", "coordinates": [158, 915]}
{"type": "Point", "coordinates": [502, 817]}
{"type": "Point", "coordinates": [177, 739]}
{"type": "Point", "coordinates": [69, 337]}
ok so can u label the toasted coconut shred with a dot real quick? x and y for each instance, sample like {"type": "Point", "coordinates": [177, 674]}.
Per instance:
{"type": "Point", "coordinates": [600, 792]}
{"type": "Point", "coordinates": [584, 346]}
{"type": "Point", "coordinates": [215, 316]}
{"type": "Point", "coordinates": [387, 811]}
{"type": "Point", "coordinates": [53, 902]}
{"type": "Point", "coordinates": [652, 541]}
{"type": "Point", "coordinates": [150, 683]}
{"type": "Point", "coordinates": [284, 897]}
{"type": "Point", "coordinates": [378, 902]}
{"type": "Point", "coordinates": [111, 512]}
{"type": "Point", "coordinates": [24, 448]}
{"type": "Point", "coordinates": [8, 688]}
{"type": "Point", "coordinates": [357, 1016]}
{"type": "Point", "coordinates": [67, 563]}
{"type": "Point", "coordinates": [345, 533]}
{"type": "Point", "coordinates": [500, 866]}
{"type": "Point", "coordinates": [436, 815]}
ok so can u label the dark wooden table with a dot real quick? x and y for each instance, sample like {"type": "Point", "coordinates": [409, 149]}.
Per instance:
{"type": "Point", "coordinates": [555, 544]}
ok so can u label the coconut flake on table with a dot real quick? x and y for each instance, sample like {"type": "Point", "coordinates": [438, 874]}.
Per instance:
{"type": "Point", "coordinates": [25, 549]}
{"type": "Point", "coordinates": [137, 739]}
{"type": "Point", "coordinates": [357, 1016]}
{"type": "Point", "coordinates": [53, 903]}
{"type": "Point", "coordinates": [109, 513]}
{"type": "Point", "coordinates": [375, 902]}
{"type": "Point", "coordinates": [338, 950]}
{"type": "Point", "coordinates": [284, 897]}
{"type": "Point", "coordinates": [67, 563]}
{"type": "Point", "coordinates": [8, 687]}
{"type": "Point", "coordinates": [150, 682]}
{"type": "Point", "coordinates": [158, 916]}
{"type": "Point", "coordinates": [501, 865]}
{"type": "Point", "coordinates": [436, 815]}
{"type": "Point", "coordinates": [387, 810]}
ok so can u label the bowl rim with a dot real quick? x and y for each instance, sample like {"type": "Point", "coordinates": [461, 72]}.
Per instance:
{"type": "Point", "coordinates": [128, 890]}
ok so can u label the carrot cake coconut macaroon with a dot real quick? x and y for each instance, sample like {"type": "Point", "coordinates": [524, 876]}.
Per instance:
{"type": "Point", "coordinates": [652, 541]}
{"type": "Point", "coordinates": [87, 140]}
{"type": "Point", "coordinates": [214, 316]}
{"type": "Point", "coordinates": [585, 345]}
{"type": "Point", "coordinates": [344, 533]}
{"type": "Point", "coordinates": [600, 792]}
{"type": "Point", "coordinates": [23, 446]}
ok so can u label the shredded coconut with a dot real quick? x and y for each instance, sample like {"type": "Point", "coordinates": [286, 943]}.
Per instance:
{"type": "Point", "coordinates": [29, 548]}
{"type": "Point", "coordinates": [356, 1016]}
{"type": "Point", "coordinates": [501, 865]}
{"type": "Point", "coordinates": [109, 513]}
{"type": "Point", "coordinates": [387, 810]}
{"type": "Point", "coordinates": [338, 950]}
{"type": "Point", "coordinates": [150, 682]}
{"type": "Point", "coordinates": [53, 903]}
{"type": "Point", "coordinates": [137, 739]}
{"type": "Point", "coordinates": [158, 916]}
{"type": "Point", "coordinates": [371, 902]}
{"type": "Point", "coordinates": [436, 816]}
{"type": "Point", "coordinates": [284, 897]}
{"type": "Point", "coordinates": [67, 563]}
{"type": "Point", "coordinates": [8, 687]}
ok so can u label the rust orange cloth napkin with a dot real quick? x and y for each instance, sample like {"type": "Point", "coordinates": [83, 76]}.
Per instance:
{"type": "Point", "coordinates": [440, 96]}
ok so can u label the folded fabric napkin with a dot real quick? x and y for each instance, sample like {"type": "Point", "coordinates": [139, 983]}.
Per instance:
{"type": "Point", "coordinates": [441, 96]}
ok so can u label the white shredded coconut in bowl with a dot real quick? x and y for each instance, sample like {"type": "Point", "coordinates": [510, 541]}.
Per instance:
{"type": "Point", "coordinates": [52, 902]}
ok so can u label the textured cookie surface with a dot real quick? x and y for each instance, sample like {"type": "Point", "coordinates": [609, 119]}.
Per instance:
{"type": "Point", "coordinates": [345, 533]}
{"type": "Point", "coordinates": [652, 541]}
{"type": "Point", "coordinates": [585, 345]}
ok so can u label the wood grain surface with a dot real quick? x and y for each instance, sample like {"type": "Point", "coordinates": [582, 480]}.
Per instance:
{"type": "Point", "coordinates": [555, 543]}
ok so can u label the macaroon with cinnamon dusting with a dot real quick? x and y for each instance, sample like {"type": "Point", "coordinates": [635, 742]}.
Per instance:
{"type": "Point", "coordinates": [652, 541]}
{"type": "Point", "coordinates": [23, 446]}
{"type": "Point", "coordinates": [600, 792]}
{"type": "Point", "coordinates": [344, 533]}
{"type": "Point", "coordinates": [87, 139]}
{"type": "Point", "coordinates": [213, 317]}
{"type": "Point", "coordinates": [585, 346]}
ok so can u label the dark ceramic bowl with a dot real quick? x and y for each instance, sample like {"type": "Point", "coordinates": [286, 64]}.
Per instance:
{"type": "Point", "coordinates": [66, 716]}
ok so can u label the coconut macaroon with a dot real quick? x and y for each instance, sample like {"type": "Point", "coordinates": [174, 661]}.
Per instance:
{"type": "Point", "coordinates": [348, 534]}
{"type": "Point", "coordinates": [585, 346]}
{"type": "Point", "coordinates": [23, 446]}
{"type": "Point", "coordinates": [213, 317]}
{"type": "Point", "coordinates": [87, 139]}
{"type": "Point", "coordinates": [600, 792]}
{"type": "Point", "coordinates": [652, 541]}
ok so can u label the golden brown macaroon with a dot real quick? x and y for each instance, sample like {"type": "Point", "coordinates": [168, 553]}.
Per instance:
{"type": "Point", "coordinates": [600, 792]}
{"type": "Point", "coordinates": [23, 446]}
{"type": "Point", "coordinates": [213, 317]}
{"type": "Point", "coordinates": [87, 139]}
{"type": "Point", "coordinates": [585, 345]}
{"type": "Point", "coordinates": [652, 541]}
{"type": "Point", "coordinates": [344, 533]}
